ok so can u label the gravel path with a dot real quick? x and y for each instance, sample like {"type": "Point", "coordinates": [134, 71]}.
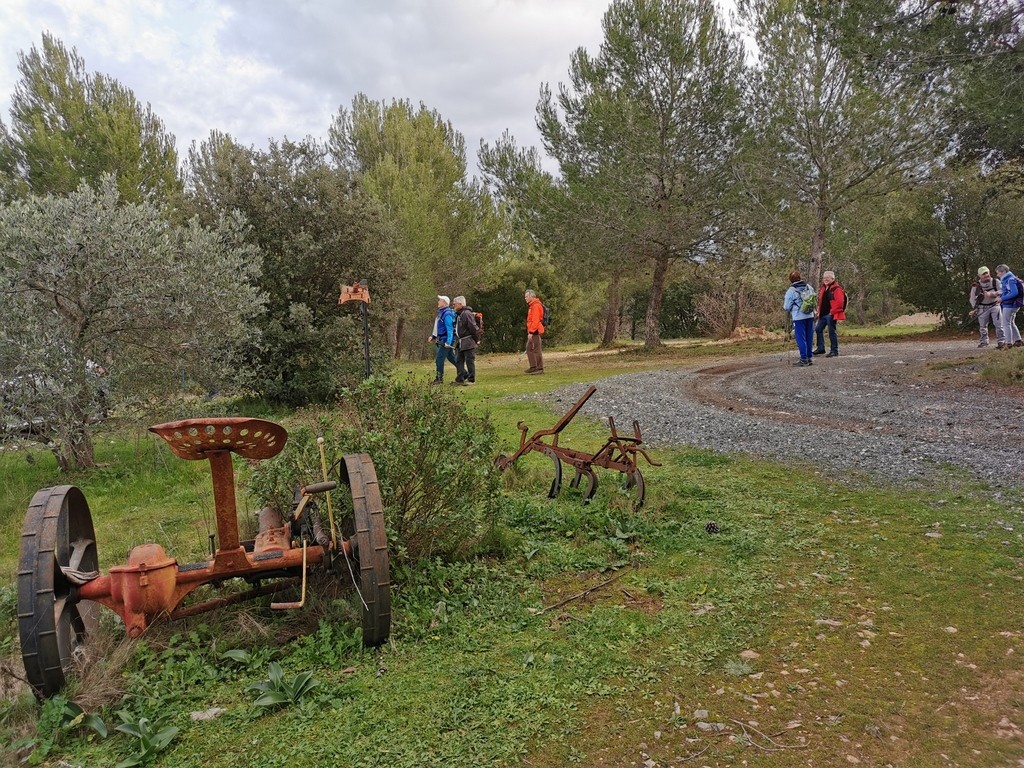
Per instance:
{"type": "Point", "coordinates": [905, 413]}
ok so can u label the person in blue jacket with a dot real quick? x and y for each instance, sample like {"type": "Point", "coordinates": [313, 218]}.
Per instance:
{"type": "Point", "coordinates": [1011, 298]}
{"type": "Point", "coordinates": [803, 322]}
{"type": "Point", "coordinates": [443, 336]}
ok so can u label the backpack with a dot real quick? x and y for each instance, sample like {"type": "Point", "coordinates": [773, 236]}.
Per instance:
{"type": "Point", "coordinates": [808, 299]}
{"type": "Point", "coordinates": [546, 319]}
{"type": "Point", "coordinates": [479, 325]}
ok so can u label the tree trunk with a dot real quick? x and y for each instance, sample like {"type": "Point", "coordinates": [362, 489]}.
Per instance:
{"type": "Point", "coordinates": [737, 309]}
{"type": "Point", "coordinates": [399, 331]}
{"type": "Point", "coordinates": [652, 326]}
{"type": "Point", "coordinates": [611, 324]}
{"type": "Point", "coordinates": [74, 451]}
{"type": "Point", "coordinates": [859, 303]}
{"type": "Point", "coordinates": [821, 217]}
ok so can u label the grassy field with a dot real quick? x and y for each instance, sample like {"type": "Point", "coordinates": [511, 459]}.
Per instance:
{"type": "Point", "coordinates": [821, 625]}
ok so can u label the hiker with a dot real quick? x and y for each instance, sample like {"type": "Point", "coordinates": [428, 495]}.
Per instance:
{"type": "Point", "coordinates": [443, 336]}
{"type": "Point", "coordinates": [984, 300]}
{"type": "Point", "coordinates": [831, 308]}
{"type": "Point", "coordinates": [534, 330]}
{"type": "Point", "coordinates": [803, 320]}
{"type": "Point", "coordinates": [1011, 299]}
{"type": "Point", "coordinates": [467, 337]}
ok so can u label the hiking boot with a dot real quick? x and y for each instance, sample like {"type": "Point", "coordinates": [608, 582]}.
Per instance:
{"type": "Point", "coordinates": [536, 371]}
{"type": "Point", "coordinates": [469, 382]}
{"type": "Point", "coordinates": [820, 351]}
{"type": "Point", "coordinates": [1000, 345]}
{"type": "Point", "coordinates": [982, 343]}
{"type": "Point", "coordinates": [435, 382]}
{"type": "Point", "coordinates": [1018, 343]}
{"type": "Point", "coordinates": [460, 383]}
{"type": "Point", "coordinates": [531, 369]}
{"type": "Point", "coordinates": [833, 353]}
{"type": "Point", "coordinates": [802, 361]}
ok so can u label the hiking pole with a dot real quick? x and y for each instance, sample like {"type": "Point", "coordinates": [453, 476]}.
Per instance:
{"type": "Point", "coordinates": [788, 325]}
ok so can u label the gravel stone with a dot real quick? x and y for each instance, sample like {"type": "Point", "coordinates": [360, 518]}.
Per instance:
{"type": "Point", "coordinates": [906, 413]}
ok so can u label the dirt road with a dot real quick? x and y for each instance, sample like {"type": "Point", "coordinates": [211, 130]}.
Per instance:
{"type": "Point", "coordinates": [906, 412]}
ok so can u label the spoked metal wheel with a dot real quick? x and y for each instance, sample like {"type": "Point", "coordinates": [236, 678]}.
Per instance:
{"type": "Point", "coordinates": [556, 482]}
{"type": "Point", "coordinates": [58, 551]}
{"type": "Point", "coordinates": [590, 488]}
{"type": "Point", "coordinates": [634, 481]}
{"type": "Point", "coordinates": [372, 564]}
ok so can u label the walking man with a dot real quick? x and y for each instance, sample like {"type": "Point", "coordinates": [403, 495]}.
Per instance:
{"type": "Point", "coordinates": [534, 331]}
{"type": "Point", "coordinates": [443, 337]}
{"type": "Point", "coordinates": [467, 337]}
{"type": "Point", "coordinates": [984, 299]}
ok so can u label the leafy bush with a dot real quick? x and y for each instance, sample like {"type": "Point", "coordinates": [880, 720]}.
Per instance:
{"type": "Point", "coordinates": [434, 462]}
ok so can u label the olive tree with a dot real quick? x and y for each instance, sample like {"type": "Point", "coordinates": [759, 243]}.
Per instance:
{"type": "Point", "coordinates": [96, 294]}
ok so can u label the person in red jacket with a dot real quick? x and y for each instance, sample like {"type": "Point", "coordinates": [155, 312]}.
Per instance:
{"type": "Point", "coordinates": [534, 330]}
{"type": "Point", "coordinates": [831, 308]}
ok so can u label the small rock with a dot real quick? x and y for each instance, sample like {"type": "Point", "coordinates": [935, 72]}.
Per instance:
{"type": "Point", "coordinates": [700, 714]}
{"type": "Point", "coordinates": [951, 630]}
{"type": "Point", "coordinates": [852, 759]}
{"type": "Point", "coordinates": [208, 714]}
{"type": "Point", "coordinates": [748, 654]}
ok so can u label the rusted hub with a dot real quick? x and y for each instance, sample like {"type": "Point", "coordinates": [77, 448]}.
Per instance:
{"type": "Point", "coordinates": [198, 438]}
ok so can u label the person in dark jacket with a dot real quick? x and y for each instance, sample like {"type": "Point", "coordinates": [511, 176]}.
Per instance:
{"type": "Point", "coordinates": [443, 336]}
{"type": "Point", "coordinates": [831, 304]}
{"type": "Point", "coordinates": [467, 337]}
{"type": "Point", "coordinates": [1011, 299]}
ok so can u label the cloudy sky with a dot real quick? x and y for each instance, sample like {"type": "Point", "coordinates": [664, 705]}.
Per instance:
{"type": "Point", "coordinates": [261, 69]}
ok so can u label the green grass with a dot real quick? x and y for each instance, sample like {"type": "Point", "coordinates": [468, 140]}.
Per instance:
{"type": "Point", "coordinates": [839, 591]}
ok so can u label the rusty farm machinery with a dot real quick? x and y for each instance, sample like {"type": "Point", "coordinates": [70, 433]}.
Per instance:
{"type": "Point", "coordinates": [59, 582]}
{"type": "Point", "coordinates": [619, 453]}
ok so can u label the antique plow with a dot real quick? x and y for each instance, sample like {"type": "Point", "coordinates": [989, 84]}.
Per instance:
{"type": "Point", "coordinates": [59, 583]}
{"type": "Point", "coordinates": [618, 453]}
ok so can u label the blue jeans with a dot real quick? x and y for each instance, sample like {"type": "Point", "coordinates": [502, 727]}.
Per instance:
{"type": "Point", "coordinates": [803, 330]}
{"type": "Point", "coordinates": [443, 353]}
{"type": "Point", "coordinates": [819, 328]}
{"type": "Point", "coordinates": [1011, 334]}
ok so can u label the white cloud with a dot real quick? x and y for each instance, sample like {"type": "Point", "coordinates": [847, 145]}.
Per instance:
{"type": "Point", "coordinates": [261, 70]}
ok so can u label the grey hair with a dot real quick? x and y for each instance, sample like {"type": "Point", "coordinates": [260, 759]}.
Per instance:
{"type": "Point", "coordinates": [460, 300]}
{"type": "Point", "coordinates": [530, 294]}
{"type": "Point", "coordinates": [1002, 268]}
{"type": "Point", "coordinates": [828, 273]}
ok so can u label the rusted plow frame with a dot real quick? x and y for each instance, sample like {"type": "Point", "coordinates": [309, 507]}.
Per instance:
{"type": "Point", "coordinates": [619, 454]}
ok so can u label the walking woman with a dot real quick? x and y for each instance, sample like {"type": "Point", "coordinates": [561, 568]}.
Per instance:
{"type": "Point", "coordinates": [803, 321]}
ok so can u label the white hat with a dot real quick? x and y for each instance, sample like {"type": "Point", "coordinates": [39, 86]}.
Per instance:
{"type": "Point", "coordinates": [460, 300]}
{"type": "Point", "coordinates": [445, 299]}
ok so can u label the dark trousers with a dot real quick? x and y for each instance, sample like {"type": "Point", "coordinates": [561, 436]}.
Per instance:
{"type": "Point", "coordinates": [465, 365]}
{"type": "Point", "coordinates": [819, 328]}
{"type": "Point", "coordinates": [443, 353]}
{"type": "Point", "coordinates": [534, 351]}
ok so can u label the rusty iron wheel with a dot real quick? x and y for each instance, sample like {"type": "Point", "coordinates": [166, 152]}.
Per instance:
{"type": "Point", "coordinates": [556, 482]}
{"type": "Point", "coordinates": [372, 564]}
{"type": "Point", "coordinates": [591, 487]}
{"type": "Point", "coordinates": [58, 551]}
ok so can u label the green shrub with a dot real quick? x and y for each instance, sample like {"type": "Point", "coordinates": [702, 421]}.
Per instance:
{"type": "Point", "coordinates": [434, 462]}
